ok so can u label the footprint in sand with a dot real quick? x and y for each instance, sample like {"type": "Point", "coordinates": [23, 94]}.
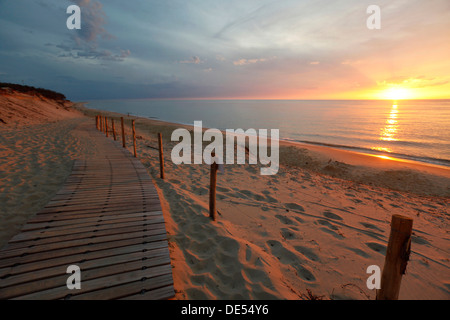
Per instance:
{"type": "Point", "coordinates": [350, 195]}
{"type": "Point", "coordinates": [330, 229]}
{"type": "Point", "coordinates": [332, 215]}
{"type": "Point", "coordinates": [294, 206]}
{"type": "Point", "coordinates": [299, 219]}
{"type": "Point", "coordinates": [286, 220]}
{"type": "Point", "coordinates": [377, 247]}
{"type": "Point", "coordinates": [200, 190]}
{"type": "Point", "coordinates": [371, 226]}
{"type": "Point", "coordinates": [327, 224]}
{"type": "Point", "coordinates": [334, 234]}
{"type": "Point", "coordinates": [307, 252]}
{"type": "Point", "coordinates": [271, 199]}
{"type": "Point", "coordinates": [251, 256]}
{"type": "Point", "coordinates": [252, 195]}
{"type": "Point", "coordinates": [419, 240]}
{"type": "Point", "coordinates": [222, 189]}
{"type": "Point", "coordinates": [257, 276]}
{"type": "Point", "coordinates": [359, 252]}
{"type": "Point", "coordinates": [289, 258]}
{"type": "Point", "coordinates": [228, 246]}
{"type": "Point", "coordinates": [288, 234]}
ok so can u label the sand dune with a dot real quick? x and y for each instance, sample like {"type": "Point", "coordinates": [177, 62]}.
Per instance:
{"type": "Point", "coordinates": [20, 109]}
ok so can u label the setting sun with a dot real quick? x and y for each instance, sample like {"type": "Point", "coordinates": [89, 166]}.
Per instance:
{"type": "Point", "coordinates": [396, 93]}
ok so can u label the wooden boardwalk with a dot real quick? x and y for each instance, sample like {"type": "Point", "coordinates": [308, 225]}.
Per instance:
{"type": "Point", "coordinates": [107, 220]}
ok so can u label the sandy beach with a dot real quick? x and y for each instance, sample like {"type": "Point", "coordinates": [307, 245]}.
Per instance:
{"type": "Point", "coordinates": [314, 226]}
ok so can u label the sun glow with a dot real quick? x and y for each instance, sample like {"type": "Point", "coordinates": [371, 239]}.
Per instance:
{"type": "Point", "coordinates": [397, 93]}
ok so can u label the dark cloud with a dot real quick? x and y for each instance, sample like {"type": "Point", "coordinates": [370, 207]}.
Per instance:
{"type": "Point", "coordinates": [86, 40]}
{"type": "Point", "coordinates": [93, 20]}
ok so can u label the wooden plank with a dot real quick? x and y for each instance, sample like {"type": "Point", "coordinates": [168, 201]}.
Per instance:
{"type": "Point", "coordinates": [50, 233]}
{"type": "Point", "coordinates": [24, 277]}
{"type": "Point", "coordinates": [92, 235]}
{"type": "Point", "coordinates": [32, 257]}
{"type": "Point", "coordinates": [59, 280]}
{"type": "Point", "coordinates": [110, 198]}
{"type": "Point", "coordinates": [74, 259]}
{"type": "Point", "coordinates": [100, 214]}
{"type": "Point", "coordinates": [61, 291]}
{"type": "Point", "coordinates": [89, 221]}
{"type": "Point", "coordinates": [81, 242]}
{"type": "Point", "coordinates": [97, 213]}
{"type": "Point", "coordinates": [90, 208]}
{"type": "Point", "coordinates": [157, 294]}
{"type": "Point", "coordinates": [132, 289]}
{"type": "Point", "coordinates": [106, 219]}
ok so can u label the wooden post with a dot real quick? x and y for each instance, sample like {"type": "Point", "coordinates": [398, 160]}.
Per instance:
{"type": "Point", "coordinates": [161, 156]}
{"type": "Point", "coordinates": [212, 190]}
{"type": "Point", "coordinates": [96, 121]}
{"type": "Point", "coordinates": [123, 133]}
{"type": "Point", "coordinates": [114, 130]}
{"type": "Point", "coordinates": [106, 126]}
{"type": "Point", "coordinates": [134, 138]}
{"type": "Point", "coordinates": [397, 256]}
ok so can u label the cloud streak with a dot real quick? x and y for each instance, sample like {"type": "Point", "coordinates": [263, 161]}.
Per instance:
{"type": "Point", "coordinates": [193, 60]}
{"type": "Point", "coordinates": [243, 62]}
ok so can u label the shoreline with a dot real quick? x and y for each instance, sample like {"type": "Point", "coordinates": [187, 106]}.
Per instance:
{"type": "Point", "coordinates": [335, 162]}
{"type": "Point", "coordinates": [407, 157]}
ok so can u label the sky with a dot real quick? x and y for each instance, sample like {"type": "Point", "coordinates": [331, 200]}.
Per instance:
{"type": "Point", "coordinates": [228, 49]}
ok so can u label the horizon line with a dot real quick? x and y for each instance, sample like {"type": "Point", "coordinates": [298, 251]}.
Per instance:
{"type": "Point", "coordinates": [259, 99]}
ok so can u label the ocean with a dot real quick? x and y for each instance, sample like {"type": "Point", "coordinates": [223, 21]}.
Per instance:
{"type": "Point", "coordinates": [416, 130]}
